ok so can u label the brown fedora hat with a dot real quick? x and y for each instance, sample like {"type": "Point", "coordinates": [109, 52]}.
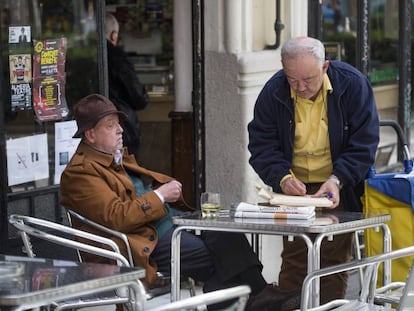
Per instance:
{"type": "Point", "coordinates": [90, 109]}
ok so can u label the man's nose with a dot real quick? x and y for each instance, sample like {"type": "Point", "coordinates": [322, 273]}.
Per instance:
{"type": "Point", "coordinates": [120, 129]}
{"type": "Point", "coordinates": [301, 86]}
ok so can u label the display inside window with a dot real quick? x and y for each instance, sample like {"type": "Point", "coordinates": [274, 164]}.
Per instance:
{"type": "Point", "coordinates": [146, 35]}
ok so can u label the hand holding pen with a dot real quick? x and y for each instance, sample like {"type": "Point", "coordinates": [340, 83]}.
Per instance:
{"type": "Point", "coordinates": [293, 186]}
{"type": "Point", "coordinates": [329, 190]}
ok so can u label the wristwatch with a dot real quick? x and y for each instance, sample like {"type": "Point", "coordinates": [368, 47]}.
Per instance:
{"type": "Point", "coordinates": [336, 180]}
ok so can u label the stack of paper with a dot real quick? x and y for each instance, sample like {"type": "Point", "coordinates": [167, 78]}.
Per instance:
{"type": "Point", "coordinates": [294, 200]}
{"type": "Point", "coordinates": [283, 212]}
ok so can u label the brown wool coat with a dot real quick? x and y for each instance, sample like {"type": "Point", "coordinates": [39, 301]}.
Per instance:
{"type": "Point", "coordinates": [95, 187]}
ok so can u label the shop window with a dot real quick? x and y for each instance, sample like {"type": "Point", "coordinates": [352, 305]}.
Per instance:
{"type": "Point", "coordinates": [49, 61]}
{"type": "Point", "coordinates": [146, 35]}
{"type": "Point", "coordinates": [339, 25]}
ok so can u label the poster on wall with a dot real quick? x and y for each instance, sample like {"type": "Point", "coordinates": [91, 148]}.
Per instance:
{"type": "Point", "coordinates": [49, 101]}
{"type": "Point", "coordinates": [27, 159]}
{"type": "Point", "coordinates": [65, 145]}
{"type": "Point", "coordinates": [20, 67]}
{"type": "Point", "coordinates": [20, 35]}
{"type": "Point", "coordinates": [21, 96]}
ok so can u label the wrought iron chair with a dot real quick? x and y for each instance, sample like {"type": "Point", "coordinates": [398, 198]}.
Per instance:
{"type": "Point", "coordinates": [163, 285]}
{"type": "Point", "coordinates": [400, 294]}
{"type": "Point", "coordinates": [65, 236]}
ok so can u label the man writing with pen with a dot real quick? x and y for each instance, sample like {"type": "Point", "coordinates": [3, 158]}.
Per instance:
{"type": "Point", "coordinates": [315, 131]}
{"type": "Point", "coordinates": [329, 195]}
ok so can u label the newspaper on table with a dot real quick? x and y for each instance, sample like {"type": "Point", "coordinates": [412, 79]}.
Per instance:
{"type": "Point", "coordinates": [283, 212]}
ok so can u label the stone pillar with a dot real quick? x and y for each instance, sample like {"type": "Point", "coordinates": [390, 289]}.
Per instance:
{"type": "Point", "coordinates": [182, 151]}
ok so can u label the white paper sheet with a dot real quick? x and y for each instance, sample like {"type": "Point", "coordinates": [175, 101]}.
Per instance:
{"type": "Point", "coordinates": [65, 146]}
{"type": "Point", "coordinates": [27, 159]}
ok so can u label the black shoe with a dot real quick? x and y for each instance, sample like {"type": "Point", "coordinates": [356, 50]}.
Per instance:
{"type": "Point", "coordinates": [271, 298]}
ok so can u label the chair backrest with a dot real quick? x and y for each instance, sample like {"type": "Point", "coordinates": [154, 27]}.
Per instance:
{"type": "Point", "coordinates": [151, 293]}
{"type": "Point", "coordinates": [64, 235]}
{"type": "Point", "coordinates": [73, 215]}
{"type": "Point", "coordinates": [241, 293]}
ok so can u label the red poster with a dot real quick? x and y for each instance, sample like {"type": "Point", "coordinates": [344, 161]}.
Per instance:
{"type": "Point", "coordinates": [49, 102]}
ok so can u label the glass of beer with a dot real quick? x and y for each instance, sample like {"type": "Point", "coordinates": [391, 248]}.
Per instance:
{"type": "Point", "coordinates": [210, 204]}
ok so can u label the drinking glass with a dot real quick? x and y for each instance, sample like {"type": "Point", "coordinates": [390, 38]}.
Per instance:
{"type": "Point", "coordinates": [210, 204]}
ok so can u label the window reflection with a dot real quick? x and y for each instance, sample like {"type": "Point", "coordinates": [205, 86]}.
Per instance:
{"type": "Point", "coordinates": [49, 19]}
{"type": "Point", "coordinates": [339, 26]}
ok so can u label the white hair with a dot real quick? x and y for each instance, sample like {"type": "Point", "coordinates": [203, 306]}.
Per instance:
{"type": "Point", "coordinates": [111, 25]}
{"type": "Point", "coordinates": [300, 46]}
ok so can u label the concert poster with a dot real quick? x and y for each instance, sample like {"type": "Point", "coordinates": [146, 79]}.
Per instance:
{"type": "Point", "coordinates": [49, 78]}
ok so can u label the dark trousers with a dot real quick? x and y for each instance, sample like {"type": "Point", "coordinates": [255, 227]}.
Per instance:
{"type": "Point", "coordinates": [218, 259]}
{"type": "Point", "coordinates": [295, 259]}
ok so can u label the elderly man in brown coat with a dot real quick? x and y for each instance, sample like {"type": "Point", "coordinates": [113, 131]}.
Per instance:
{"type": "Point", "coordinates": [106, 185]}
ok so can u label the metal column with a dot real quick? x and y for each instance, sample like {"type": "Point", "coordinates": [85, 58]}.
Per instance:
{"type": "Point", "coordinates": [404, 70]}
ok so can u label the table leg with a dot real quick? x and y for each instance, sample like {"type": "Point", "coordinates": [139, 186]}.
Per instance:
{"type": "Point", "coordinates": [316, 266]}
{"type": "Point", "coordinates": [310, 247]}
{"type": "Point", "coordinates": [175, 264]}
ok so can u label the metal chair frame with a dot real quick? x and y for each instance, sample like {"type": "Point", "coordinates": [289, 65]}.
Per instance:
{"type": "Point", "coordinates": [202, 301]}
{"type": "Point", "coordinates": [188, 283]}
{"type": "Point", "coordinates": [370, 295]}
{"type": "Point", "coordinates": [40, 228]}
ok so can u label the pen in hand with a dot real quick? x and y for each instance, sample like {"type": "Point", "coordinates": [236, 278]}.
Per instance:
{"type": "Point", "coordinates": [298, 187]}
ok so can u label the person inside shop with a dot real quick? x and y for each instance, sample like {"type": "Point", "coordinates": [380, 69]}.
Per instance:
{"type": "Point", "coordinates": [125, 89]}
{"type": "Point", "coordinates": [104, 183]}
{"type": "Point", "coordinates": [315, 130]}
{"type": "Point", "coordinates": [22, 36]}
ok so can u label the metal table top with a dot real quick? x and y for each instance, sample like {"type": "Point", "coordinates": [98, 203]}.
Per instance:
{"type": "Point", "coordinates": [324, 222]}
{"type": "Point", "coordinates": [28, 281]}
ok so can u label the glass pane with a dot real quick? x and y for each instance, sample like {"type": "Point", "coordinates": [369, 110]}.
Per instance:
{"type": "Point", "coordinates": [44, 40]}
{"type": "Point", "coordinates": [339, 26]}
{"type": "Point", "coordinates": [339, 23]}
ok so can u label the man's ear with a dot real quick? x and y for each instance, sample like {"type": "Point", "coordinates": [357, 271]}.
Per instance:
{"type": "Point", "coordinates": [114, 37]}
{"type": "Point", "coordinates": [325, 66]}
{"type": "Point", "coordinates": [89, 135]}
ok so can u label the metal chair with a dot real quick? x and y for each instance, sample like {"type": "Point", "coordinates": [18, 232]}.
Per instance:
{"type": "Point", "coordinates": [164, 284]}
{"type": "Point", "coordinates": [200, 302]}
{"type": "Point", "coordinates": [65, 236]}
{"type": "Point", "coordinates": [371, 298]}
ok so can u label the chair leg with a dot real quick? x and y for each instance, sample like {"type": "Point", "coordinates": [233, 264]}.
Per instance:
{"type": "Point", "coordinates": [191, 287]}
{"type": "Point", "coordinates": [163, 286]}
{"type": "Point", "coordinates": [358, 253]}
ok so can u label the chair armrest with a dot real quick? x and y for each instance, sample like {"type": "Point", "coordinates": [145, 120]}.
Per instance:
{"type": "Point", "coordinates": [241, 292]}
